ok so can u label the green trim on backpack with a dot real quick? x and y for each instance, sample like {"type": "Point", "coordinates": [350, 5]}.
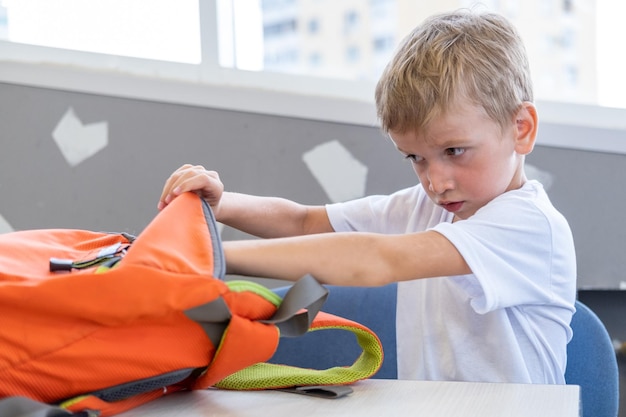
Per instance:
{"type": "Point", "coordinates": [270, 376]}
{"type": "Point", "coordinates": [258, 289]}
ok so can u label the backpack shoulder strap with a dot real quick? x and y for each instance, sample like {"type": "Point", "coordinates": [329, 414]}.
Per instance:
{"type": "Point", "coordinates": [274, 376]}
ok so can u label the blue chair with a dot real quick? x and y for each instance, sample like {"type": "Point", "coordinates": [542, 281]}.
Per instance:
{"type": "Point", "coordinates": [592, 362]}
{"type": "Point", "coordinates": [372, 307]}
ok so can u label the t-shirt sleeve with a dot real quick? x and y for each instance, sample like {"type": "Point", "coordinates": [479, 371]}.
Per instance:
{"type": "Point", "coordinates": [405, 211]}
{"type": "Point", "coordinates": [357, 215]}
{"type": "Point", "coordinates": [518, 252]}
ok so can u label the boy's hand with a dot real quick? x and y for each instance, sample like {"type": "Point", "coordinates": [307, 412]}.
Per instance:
{"type": "Point", "coordinates": [195, 178]}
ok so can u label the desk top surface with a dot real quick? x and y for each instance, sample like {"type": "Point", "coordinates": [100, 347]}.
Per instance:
{"type": "Point", "coordinates": [376, 398]}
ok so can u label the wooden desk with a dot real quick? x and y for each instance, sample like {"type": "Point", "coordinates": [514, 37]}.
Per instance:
{"type": "Point", "coordinates": [377, 398]}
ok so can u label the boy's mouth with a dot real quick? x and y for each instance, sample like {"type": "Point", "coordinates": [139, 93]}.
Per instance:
{"type": "Point", "coordinates": [452, 206]}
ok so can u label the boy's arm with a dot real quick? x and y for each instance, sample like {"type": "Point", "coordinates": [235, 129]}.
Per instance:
{"type": "Point", "coordinates": [271, 217]}
{"type": "Point", "coordinates": [354, 259]}
{"type": "Point", "coordinates": [266, 217]}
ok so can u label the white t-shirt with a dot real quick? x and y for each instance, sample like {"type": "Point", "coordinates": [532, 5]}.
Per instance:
{"type": "Point", "coordinates": [508, 321]}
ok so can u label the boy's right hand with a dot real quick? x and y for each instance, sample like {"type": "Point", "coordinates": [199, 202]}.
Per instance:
{"type": "Point", "coordinates": [195, 178]}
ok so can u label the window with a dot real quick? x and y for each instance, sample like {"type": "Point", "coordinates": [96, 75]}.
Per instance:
{"type": "Point", "coordinates": [269, 5]}
{"type": "Point", "coordinates": [350, 21]}
{"type": "Point", "coordinates": [557, 36]}
{"type": "Point", "coordinates": [4, 23]}
{"type": "Point", "coordinates": [314, 26]}
{"type": "Point", "coordinates": [568, 6]}
{"type": "Point", "coordinates": [383, 44]}
{"type": "Point", "coordinates": [168, 31]}
{"type": "Point", "coordinates": [315, 59]}
{"type": "Point", "coordinates": [278, 29]}
{"type": "Point", "coordinates": [353, 54]}
{"type": "Point", "coordinates": [572, 44]}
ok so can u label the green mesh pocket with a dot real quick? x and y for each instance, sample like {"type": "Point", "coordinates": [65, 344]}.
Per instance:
{"type": "Point", "coordinates": [267, 375]}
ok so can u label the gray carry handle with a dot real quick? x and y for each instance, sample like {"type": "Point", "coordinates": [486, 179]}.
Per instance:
{"type": "Point", "coordinates": [25, 407]}
{"type": "Point", "coordinates": [299, 307]}
{"type": "Point", "coordinates": [321, 391]}
{"type": "Point", "coordinates": [293, 317]}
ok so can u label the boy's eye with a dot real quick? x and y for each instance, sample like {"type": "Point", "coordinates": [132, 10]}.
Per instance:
{"type": "Point", "coordinates": [413, 158]}
{"type": "Point", "coordinates": [455, 151]}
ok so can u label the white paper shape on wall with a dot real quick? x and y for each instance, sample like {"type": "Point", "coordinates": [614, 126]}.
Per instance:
{"type": "Point", "coordinates": [5, 227]}
{"type": "Point", "coordinates": [340, 174]}
{"type": "Point", "coordinates": [544, 177]}
{"type": "Point", "coordinates": [77, 141]}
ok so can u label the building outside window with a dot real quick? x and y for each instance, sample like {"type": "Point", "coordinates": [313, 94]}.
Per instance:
{"type": "Point", "coordinates": [571, 43]}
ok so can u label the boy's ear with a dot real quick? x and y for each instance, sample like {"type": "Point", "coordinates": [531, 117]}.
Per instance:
{"type": "Point", "coordinates": [526, 128]}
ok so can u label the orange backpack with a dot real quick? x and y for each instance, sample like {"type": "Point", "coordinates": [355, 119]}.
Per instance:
{"type": "Point", "coordinates": [106, 322]}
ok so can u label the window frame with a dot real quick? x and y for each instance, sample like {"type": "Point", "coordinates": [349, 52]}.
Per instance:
{"type": "Point", "coordinates": [210, 85]}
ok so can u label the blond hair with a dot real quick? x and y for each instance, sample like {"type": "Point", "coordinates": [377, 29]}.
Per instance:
{"type": "Point", "coordinates": [451, 56]}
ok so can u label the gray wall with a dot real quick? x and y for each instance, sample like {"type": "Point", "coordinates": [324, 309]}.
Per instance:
{"type": "Point", "coordinates": [117, 189]}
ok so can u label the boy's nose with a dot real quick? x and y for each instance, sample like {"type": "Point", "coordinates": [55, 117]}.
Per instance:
{"type": "Point", "coordinates": [439, 188]}
{"type": "Point", "coordinates": [439, 182]}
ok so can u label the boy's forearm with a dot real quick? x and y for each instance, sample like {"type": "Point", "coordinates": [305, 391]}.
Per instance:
{"type": "Point", "coordinates": [327, 257]}
{"type": "Point", "coordinates": [355, 259]}
{"type": "Point", "coordinates": [268, 217]}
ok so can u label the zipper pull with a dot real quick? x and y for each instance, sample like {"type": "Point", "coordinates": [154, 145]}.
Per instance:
{"type": "Point", "coordinates": [111, 252]}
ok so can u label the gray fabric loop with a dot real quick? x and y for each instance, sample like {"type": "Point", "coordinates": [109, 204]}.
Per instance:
{"type": "Point", "coordinates": [213, 317]}
{"type": "Point", "coordinates": [299, 307]}
{"type": "Point", "coordinates": [321, 391]}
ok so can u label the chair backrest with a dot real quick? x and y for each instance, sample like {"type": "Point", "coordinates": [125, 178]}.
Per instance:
{"type": "Point", "coordinates": [592, 364]}
{"type": "Point", "coordinates": [374, 307]}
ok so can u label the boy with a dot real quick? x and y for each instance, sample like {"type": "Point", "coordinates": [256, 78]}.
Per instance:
{"type": "Point", "coordinates": [485, 264]}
